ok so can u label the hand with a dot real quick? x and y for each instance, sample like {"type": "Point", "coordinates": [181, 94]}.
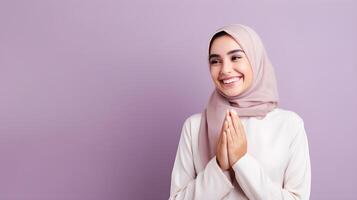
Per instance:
{"type": "Point", "coordinates": [236, 138]}
{"type": "Point", "coordinates": [222, 153]}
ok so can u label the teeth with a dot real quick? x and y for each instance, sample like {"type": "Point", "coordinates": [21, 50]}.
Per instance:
{"type": "Point", "coordinates": [230, 80]}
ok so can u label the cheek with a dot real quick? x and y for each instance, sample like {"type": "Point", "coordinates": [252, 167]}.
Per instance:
{"type": "Point", "coordinates": [247, 71]}
{"type": "Point", "coordinates": [214, 73]}
{"type": "Point", "coordinates": [242, 66]}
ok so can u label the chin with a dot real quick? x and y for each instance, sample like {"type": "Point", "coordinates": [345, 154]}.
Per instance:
{"type": "Point", "coordinates": [231, 92]}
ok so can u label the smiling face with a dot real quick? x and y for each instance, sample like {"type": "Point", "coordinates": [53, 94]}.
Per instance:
{"type": "Point", "coordinates": [230, 69]}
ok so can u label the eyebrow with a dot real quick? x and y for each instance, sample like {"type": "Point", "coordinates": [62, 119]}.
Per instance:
{"type": "Point", "coordinates": [229, 52]}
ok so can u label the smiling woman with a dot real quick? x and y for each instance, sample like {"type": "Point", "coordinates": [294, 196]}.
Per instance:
{"type": "Point", "coordinates": [242, 146]}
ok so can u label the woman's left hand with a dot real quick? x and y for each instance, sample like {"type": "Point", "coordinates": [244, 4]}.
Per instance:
{"type": "Point", "coordinates": [236, 138]}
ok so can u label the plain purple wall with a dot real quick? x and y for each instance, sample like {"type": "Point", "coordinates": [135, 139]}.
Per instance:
{"type": "Point", "coordinates": [94, 93]}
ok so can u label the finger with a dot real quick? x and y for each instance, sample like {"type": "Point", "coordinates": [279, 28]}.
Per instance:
{"type": "Point", "coordinates": [219, 141]}
{"type": "Point", "coordinates": [242, 130]}
{"type": "Point", "coordinates": [229, 120]}
{"type": "Point", "coordinates": [231, 128]}
{"type": "Point", "coordinates": [243, 135]}
{"type": "Point", "coordinates": [240, 126]}
{"type": "Point", "coordinates": [224, 140]}
{"type": "Point", "coordinates": [225, 126]}
{"type": "Point", "coordinates": [229, 137]}
{"type": "Point", "coordinates": [220, 138]}
{"type": "Point", "coordinates": [235, 121]}
{"type": "Point", "coordinates": [230, 143]}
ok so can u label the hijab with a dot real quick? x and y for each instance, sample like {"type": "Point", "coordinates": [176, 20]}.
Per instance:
{"type": "Point", "coordinates": [256, 101]}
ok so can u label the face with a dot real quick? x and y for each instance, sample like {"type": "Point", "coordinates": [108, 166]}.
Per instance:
{"type": "Point", "coordinates": [230, 69]}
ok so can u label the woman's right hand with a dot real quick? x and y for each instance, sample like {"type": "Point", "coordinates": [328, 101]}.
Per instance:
{"type": "Point", "coordinates": [222, 147]}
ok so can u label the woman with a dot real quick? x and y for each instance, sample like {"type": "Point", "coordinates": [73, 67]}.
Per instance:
{"type": "Point", "coordinates": [242, 146]}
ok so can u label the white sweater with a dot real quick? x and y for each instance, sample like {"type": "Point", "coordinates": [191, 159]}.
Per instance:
{"type": "Point", "coordinates": [276, 165]}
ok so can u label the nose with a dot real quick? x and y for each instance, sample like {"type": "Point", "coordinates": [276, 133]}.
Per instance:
{"type": "Point", "coordinates": [227, 67]}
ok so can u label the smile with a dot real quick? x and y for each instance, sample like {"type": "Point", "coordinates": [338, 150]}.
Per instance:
{"type": "Point", "coordinates": [231, 82]}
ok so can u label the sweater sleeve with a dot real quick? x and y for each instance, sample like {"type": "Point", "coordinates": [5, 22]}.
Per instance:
{"type": "Point", "coordinates": [256, 184]}
{"type": "Point", "coordinates": [210, 183]}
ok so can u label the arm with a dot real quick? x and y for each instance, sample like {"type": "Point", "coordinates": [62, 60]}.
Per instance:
{"type": "Point", "coordinates": [211, 183]}
{"type": "Point", "coordinates": [297, 178]}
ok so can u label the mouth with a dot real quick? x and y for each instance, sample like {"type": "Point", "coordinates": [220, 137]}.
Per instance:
{"type": "Point", "coordinates": [231, 81]}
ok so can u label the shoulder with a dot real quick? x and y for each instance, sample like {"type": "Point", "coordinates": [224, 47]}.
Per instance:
{"type": "Point", "coordinates": [293, 121]}
{"type": "Point", "coordinates": [285, 115]}
{"type": "Point", "coordinates": [194, 118]}
{"type": "Point", "coordinates": [192, 123]}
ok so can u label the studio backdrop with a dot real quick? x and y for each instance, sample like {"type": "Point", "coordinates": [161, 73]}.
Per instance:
{"type": "Point", "coordinates": [93, 94]}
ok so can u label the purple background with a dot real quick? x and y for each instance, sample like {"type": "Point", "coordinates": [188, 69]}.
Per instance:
{"type": "Point", "coordinates": [93, 94]}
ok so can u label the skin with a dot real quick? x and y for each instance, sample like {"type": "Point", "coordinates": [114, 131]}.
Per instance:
{"type": "Point", "coordinates": [232, 143]}
{"type": "Point", "coordinates": [227, 59]}
{"type": "Point", "coordinates": [224, 62]}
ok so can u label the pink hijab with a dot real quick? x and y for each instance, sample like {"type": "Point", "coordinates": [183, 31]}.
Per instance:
{"type": "Point", "coordinates": [256, 101]}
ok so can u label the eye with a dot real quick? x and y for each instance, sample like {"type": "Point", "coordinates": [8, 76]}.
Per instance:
{"type": "Point", "coordinates": [236, 58]}
{"type": "Point", "coordinates": [214, 61]}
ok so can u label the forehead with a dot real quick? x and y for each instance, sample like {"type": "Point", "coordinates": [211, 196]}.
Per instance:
{"type": "Point", "coordinates": [223, 44]}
